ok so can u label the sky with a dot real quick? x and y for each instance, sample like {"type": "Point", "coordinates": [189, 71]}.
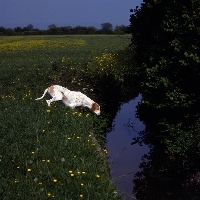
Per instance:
{"type": "Point", "coordinates": [42, 13]}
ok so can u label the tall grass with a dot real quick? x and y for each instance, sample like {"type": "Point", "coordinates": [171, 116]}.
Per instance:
{"type": "Point", "coordinates": [50, 152]}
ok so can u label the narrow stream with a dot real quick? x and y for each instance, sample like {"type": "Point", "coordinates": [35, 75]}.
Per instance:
{"type": "Point", "coordinates": [123, 157]}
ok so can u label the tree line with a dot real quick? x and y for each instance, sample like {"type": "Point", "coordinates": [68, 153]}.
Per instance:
{"type": "Point", "coordinates": [166, 55]}
{"type": "Point", "coordinates": [53, 29]}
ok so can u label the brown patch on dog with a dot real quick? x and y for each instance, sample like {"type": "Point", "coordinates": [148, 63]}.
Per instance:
{"type": "Point", "coordinates": [51, 89]}
{"type": "Point", "coordinates": [64, 97]}
{"type": "Point", "coordinates": [95, 106]}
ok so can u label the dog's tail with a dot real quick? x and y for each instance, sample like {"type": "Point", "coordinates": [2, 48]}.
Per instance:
{"type": "Point", "coordinates": [42, 95]}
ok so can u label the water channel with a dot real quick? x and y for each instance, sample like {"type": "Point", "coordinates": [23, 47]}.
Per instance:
{"type": "Point", "coordinates": [123, 157]}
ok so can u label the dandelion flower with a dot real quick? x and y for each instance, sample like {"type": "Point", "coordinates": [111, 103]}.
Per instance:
{"type": "Point", "coordinates": [82, 184]}
{"type": "Point", "coordinates": [48, 194]}
{"type": "Point", "coordinates": [55, 180]}
{"type": "Point", "coordinates": [70, 171]}
{"type": "Point", "coordinates": [98, 176]}
{"type": "Point", "coordinates": [81, 195]}
{"type": "Point", "coordinates": [87, 115]}
{"type": "Point", "coordinates": [72, 174]}
{"type": "Point", "coordinates": [32, 152]}
{"type": "Point", "coordinates": [29, 170]}
{"type": "Point", "coordinates": [83, 172]}
{"type": "Point", "coordinates": [48, 111]}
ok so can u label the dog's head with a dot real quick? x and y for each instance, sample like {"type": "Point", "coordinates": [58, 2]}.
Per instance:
{"type": "Point", "coordinates": [96, 108]}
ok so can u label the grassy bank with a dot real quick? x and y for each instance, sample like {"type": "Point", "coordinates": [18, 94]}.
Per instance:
{"type": "Point", "coordinates": [49, 152]}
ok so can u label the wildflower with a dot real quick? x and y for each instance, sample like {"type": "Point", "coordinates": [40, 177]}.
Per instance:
{"type": "Point", "coordinates": [72, 174]}
{"type": "Point", "coordinates": [32, 152]}
{"type": "Point", "coordinates": [105, 150]}
{"type": "Point", "coordinates": [82, 184]}
{"type": "Point", "coordinates": [48, 111]}
{"type": "Point", "coordinates": [55, 180]}
{"type": "Point", "coordinates": [48, 194]}
{"type": "Point", "coordinates": [80, 114]}
{"type": "Point", "coordinates": [48, 161]}
{"type": "Point", "coordinates": [70, 171]}
{"type": "Point", "coordinates": [98, 176]}
{"type": "Point", "coordinates": [83, 172]}
{"type": "Point", "coordinates": [18, 167]}
{"type": "Point", "coordinates": [87, 115]}
{"type": "Point", "coordinates": [29, 170]}
{"type": "Point", "coordinates": [43, 131]}
{"type": "Point", "coordinates": [35, 180]}
{"type": "Point", "coordinates": [81, 195]}
{"type": "Point", "coordinates": [43, 160]}
{"type": "Point", "coordinates": [69, 138]}
{"type": "Point", "coordinates": [77, 137]}
{"type": "Point", "coordinates": [15, 180]}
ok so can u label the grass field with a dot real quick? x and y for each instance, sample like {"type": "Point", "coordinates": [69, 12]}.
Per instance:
{"type": "Point", "coordinates": [49, 152]}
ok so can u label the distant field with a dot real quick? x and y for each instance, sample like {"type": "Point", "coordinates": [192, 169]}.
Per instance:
{"type": "Point", "coordinates": [49, 152]}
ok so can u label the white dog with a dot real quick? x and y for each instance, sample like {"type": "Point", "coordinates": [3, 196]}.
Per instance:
{"type": "Point", "coordinates": [70, 98]}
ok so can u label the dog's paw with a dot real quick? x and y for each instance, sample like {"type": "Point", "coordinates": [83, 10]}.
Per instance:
{"type": "Point", "coordinates": [48, 102]}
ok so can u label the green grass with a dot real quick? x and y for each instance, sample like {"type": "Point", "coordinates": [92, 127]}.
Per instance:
{"type": "Point", "coordinates": [50, 152]}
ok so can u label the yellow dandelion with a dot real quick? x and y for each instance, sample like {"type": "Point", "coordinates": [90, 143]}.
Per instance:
{"type": "Point", "coordinates": [48, 161]}
{"type": "Point", "coordinates": [82, 184]}
{"type": "Point", "coordinates": [16, 181]}
{"type": "Point", "coordinates": [70, 171]}
{"type": "Point", "coordinates": [98, 176]}
{"type": "Point", "coordinates": [81, 195]}
{"type": "Point", "coordinates": [87, 115]}
{"type": "Point", "coordinates": [18, 167]}
{"type": "Point", "coordinates": [48, 111]}
{"type": "Point", "coordinates": [43, 160]}
{"type": "Point", "coordinates": [69, 138]}
{"type": "Point", "coordinates": [29, 170]}
{"type": "Point", "coordinates": [105, 150]}
{"type": "Point", "coordinates": [72, 174]}
{"type": "Point", "coordinates": [83, 172]}
{"type": "Point", "coordinates": [48, 194]}
{"type": "Point", "coordinates": [55, 180]}
{"type": "Point", "coordinates": [32, 152]}
{"type": "Point", "coordinates": [43, 131]}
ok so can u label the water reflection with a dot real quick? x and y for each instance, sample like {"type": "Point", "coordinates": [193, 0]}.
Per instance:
{"type": "Point", "coordinates": [125, 158]}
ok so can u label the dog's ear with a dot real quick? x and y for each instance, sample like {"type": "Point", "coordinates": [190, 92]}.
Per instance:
{"type": "Point", "coordinates": [95, 106]}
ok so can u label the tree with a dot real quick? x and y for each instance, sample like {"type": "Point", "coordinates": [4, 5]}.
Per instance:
{"type": "Point", "coordinates": [52, 27]}
{"type": "Point", "coordinates": [106, 27]}
{"type": "Point", "coordinates": [2, 29]}
{"type": "Point", "coordinates": [18, 29]}
{"type": "Point", "coordinates": [121, 28]}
